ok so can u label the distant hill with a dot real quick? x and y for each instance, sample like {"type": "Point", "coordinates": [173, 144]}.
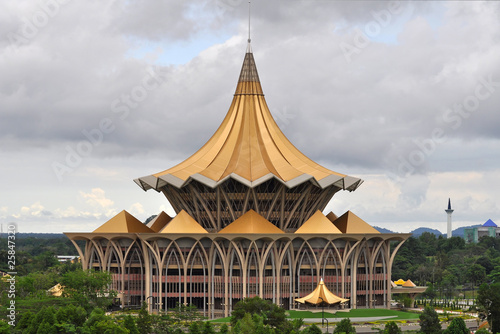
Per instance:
{"type": "Point", "coordinates": [459, 232]}
{"type": "Point", "coordinates": [383, 230]}
{"type": "Point", "coordinates": [419, 231]}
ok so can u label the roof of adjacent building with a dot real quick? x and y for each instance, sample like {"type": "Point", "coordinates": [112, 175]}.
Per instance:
{"type": "Point", "coordinates": [248, 146]}
{"type": "Point", "coordinates": [350, 223]}
{"type": "Point", "coordinates": [251, 222]}
{"type": "Point", "coordinates": [159, 222]}
{"type": "Point", "coordinates": [123, 222]}
{"type": "Point", "coordinates": [183, 223]}
{"type": "Point", "coordinates": [489, 223]}
{"type": "Point", "coordinates": [318, 223]}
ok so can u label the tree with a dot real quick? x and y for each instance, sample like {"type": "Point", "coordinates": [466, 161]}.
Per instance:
{"type": "Point", "coordinates": [457, 326]}
{"type": "Point", "coordinates": [272, 314]}
{"type": "Point", "coordinates": [207, 328]}
{"type": "Point", "coordinates": [476, 274]}
{"type": "Point", "coordinates": [89, 288]}
{"type": "Point", "coordinates": [224, 329]}
{"type": "Point", "coordinates": [313, 329]}
{"type": "Point", "coordinates": [144, 321]}
{"type": "Point", "coordinates": [345, 326]}
{"type": "Point", "coordinates": [194, 328]}
{"type": "Point", "coordinates": [429, 321]}
{"type": "Point", "coordinates": [488, 300]}
{"type": "Point", "coordinates": [129, 323]}
{"type": "Point", "coordinates": [391, 328]}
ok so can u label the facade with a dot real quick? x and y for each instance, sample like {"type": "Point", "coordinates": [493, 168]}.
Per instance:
{"type": "Point", "coordinates": [248, 222]}
{"type": "Point", "coordinates": [488, 229]}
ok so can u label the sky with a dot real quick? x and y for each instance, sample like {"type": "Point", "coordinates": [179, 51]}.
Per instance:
{"type": "Point", "coordinates": [93, 94]}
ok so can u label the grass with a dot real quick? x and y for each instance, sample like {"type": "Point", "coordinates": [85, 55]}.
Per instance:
{"type": "Point", "coordinates": [357, 313]}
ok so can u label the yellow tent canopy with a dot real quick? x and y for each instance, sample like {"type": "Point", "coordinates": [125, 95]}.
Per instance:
{"type": "Point", "coordinates": [321, 294]}
{"type": "Point", "coordinates": [399, 282]}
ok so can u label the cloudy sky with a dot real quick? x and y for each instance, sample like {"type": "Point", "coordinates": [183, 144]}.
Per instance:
{"type": "Point", "coordinates": [405, 95]}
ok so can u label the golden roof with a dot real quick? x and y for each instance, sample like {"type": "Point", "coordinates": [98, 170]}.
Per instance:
{"type": "Point", "coordinates": [123, 222]}
{"type": "Point", "coordinates": [399, 282]}
{"type": "Point", "coordinates": [249, 147]}
{"type": "Point", "coordinates": [251, 222]}
{"type": "Point", "coordinates": [409, 284]}
{"type": "Point", "coordinates": [332, 216]}
{"type": "Point", "coordinates": [183, 223]}
{"type": "Point", "coordinates": [350, 223]}
{"type": "Point", "coordinates": [321, 295]}
{"type": "Point", "coordinates": [159, 222]}
{"type": "Point", "coordinates": [318, 223]}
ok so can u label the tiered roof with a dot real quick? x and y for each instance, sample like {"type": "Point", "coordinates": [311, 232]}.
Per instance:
{"type": "Point", "coordinates": [123, 222]}
{"type": "Point", "coordinates": [248, 146]}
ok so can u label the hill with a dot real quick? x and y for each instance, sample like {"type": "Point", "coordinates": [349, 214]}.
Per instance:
{"type": "Point", "coordinates": [383, 230]}
{"type": "Point", "coordinates": [419, 231]}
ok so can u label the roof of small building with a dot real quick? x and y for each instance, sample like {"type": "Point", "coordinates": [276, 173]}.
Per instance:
{"type": "Point", "coordinates": [489, 223]}
{"type": "Point", "coordinates": [318, 223]}
{"type": "Point", "coordinates": [183, 223]}
{"type": "Point", "coordinates": [123, 222]}
{"type": "Point", "coordinates": [409, 284]}
{"type": "Point", "coordinates": [251, 222]}
{"type": "Point", "coordinates": [350, 223]}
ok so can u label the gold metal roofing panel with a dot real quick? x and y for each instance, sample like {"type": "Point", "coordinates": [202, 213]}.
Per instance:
{"type": "Point", "coordinates": [321, 295]}
{"type": "Point", "coordinates": [331, 216]}
{"type": "Point", "coordinates": [318, 223]}
{"type": "Point", "coordinates": [183, 223]}
{"type": "Point", "coordinates": [251, 222]}
{"type": "Point", "coordinates": [409, 284]}
{"type": "Point", "coordinates": [399, 282]}
{"type": "Point", "coordinates": [123, 222]}
{"type": "Point", "coordinates": [350, 223]}
{"type": "Point", "coordinates": [159, 222]}
{"type": "Point", "coordinates": [249, 146]}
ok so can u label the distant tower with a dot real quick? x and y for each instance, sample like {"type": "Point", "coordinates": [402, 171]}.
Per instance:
{"type": "Point", "coordinates": [449, 211]}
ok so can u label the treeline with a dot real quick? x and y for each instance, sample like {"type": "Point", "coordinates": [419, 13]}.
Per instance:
{"type": "Point", "coordinates": [34, 254]}
{"type": "Point", "coordinates": [449, 266]}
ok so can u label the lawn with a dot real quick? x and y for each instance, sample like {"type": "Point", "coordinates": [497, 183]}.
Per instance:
{"type": "Point", "coordinates": [358, 313]}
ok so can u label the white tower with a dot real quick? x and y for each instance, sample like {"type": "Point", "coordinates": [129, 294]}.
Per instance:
{"type": "Point", "coordinates": [449, 211]}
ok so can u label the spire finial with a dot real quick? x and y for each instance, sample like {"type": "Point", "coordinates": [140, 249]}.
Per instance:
{"type": "Point", "coordinates": [249, 7]}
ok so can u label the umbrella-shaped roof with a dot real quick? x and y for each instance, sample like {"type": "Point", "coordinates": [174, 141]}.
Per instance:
{"type": "Point", "coordinates": [249, 147]}
{"type": "Point", "coordinates": [321, 295]}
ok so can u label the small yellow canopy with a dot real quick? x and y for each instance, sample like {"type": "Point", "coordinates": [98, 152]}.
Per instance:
{"type": "Point", "coordinates": [321, 294]}
{"type": "Point", "coordinates": [409, 284]}
{"type": "Point", "coordinates": [399, 282]}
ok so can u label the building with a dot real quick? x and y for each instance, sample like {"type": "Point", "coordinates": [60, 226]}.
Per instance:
{"type": "Point", "coordinates": [488, 229]}
{"type": "Point", "coordinates": [249, 223]}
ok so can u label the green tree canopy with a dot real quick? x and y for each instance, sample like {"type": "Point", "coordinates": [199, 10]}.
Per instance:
{"type": "Point", "coordinates": [345, 326]}
{"type": "Point", "coordinates": [488, 300]}
{"type": "Point", "coordinates": [457, 326]}
{"type": "Point", "coordinates": [89, 288]}
{"type": "Point", "coordinates": [272, 314]}
{"type": "Point", "coordinates": [429, 321]}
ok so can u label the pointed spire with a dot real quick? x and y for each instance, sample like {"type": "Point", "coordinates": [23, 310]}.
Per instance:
{"type": "Point", "coordinates": [449, 204]}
